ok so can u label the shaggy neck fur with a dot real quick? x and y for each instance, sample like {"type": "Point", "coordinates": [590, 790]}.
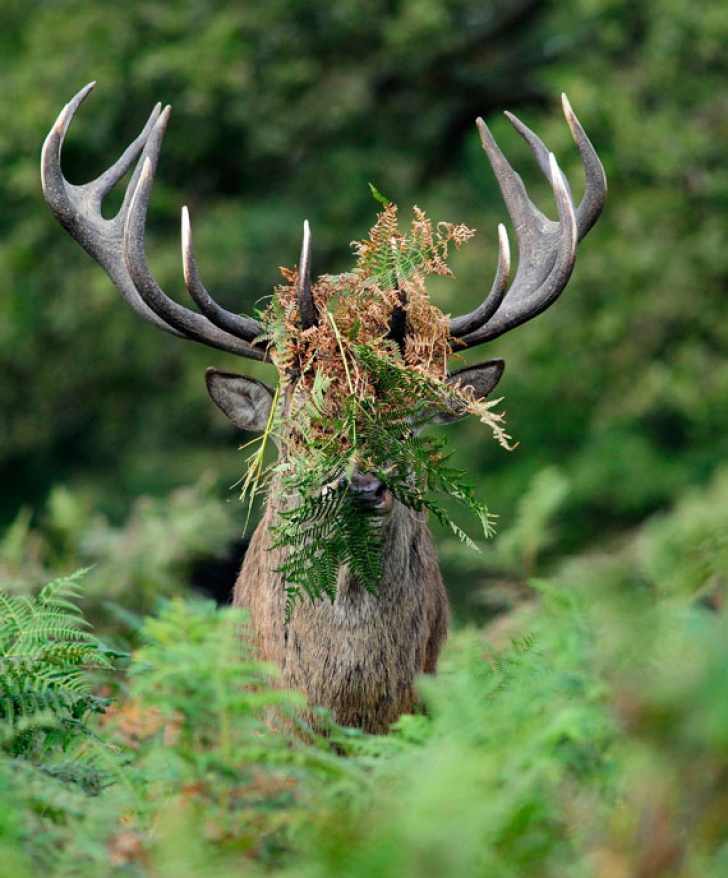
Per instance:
{"type": "Point", "coordinates": [360, 655]}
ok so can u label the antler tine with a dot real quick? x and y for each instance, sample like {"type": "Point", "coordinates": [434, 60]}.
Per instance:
{"type": "Point", "coordinates": [244, 328]}
{"type": "Point", "coordinates": [78, 208]}
{"type": "Point", "coordinates": [538, 147]}
{"type": "Point", "coordinates": [189, 323]}
{"type": "Point", "coordinates": [531, 294]}
{"type": "Point", "coordinates": [306, 305]}
{"type": "Point", "coordinates": [398, 318]}
{"type": "Point", "coordinates": [460, 326]}
{"type": "Point", "coordinates": [595, 193]}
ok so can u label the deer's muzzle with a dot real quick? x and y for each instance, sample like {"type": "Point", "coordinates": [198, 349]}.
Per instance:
{"type": "Point", "coordinates": [368, 490]}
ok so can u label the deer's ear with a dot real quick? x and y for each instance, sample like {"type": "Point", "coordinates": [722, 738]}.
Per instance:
{"type": "Point", "coordinates": [482, 378]}
{"type": "Point", "coordinates": [245, 401]}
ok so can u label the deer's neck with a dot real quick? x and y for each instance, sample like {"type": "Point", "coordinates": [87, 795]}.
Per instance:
{"type": "Point", "coordinates": [358, 656]}
{"type": "Point", "coordinates": [408, 555]}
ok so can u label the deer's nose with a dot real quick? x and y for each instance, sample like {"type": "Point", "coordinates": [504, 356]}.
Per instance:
{"type": "Point", "coordinates": [369, 488]}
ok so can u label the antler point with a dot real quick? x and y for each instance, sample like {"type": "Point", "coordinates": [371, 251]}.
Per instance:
{"type": "Point", "coordinates": [188, 256]}
{"type": "Point", "coordinates": [504, 244]}
{"type": "Point", "coordinates": [569, 113]}
{"type": "Point", "coordinates": [186, 230]}
{"type": "Point", "coordinates": [558, 183]}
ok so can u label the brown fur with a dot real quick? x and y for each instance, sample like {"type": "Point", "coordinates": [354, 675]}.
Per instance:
{"type": "Point", "coordinates": [360, 656]}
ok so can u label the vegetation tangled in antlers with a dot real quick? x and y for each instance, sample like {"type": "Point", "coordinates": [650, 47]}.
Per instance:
{"type": "Point", "coordinates": [371, 373]}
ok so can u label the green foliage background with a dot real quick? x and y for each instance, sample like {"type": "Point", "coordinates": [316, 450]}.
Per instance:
{"type": "Point", "coordinates": [591, 744]}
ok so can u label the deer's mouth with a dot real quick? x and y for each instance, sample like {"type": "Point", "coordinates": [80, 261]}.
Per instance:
{"type": "Point", "coordinates": [378, 498]}
{"type": "Point", "coordinates": [367, 490]}
{"type": "Point", "coordinates": [371, 494]}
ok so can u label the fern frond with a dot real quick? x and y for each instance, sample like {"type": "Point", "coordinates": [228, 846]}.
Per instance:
{"type": "Point", "coordinates": [46, 655]}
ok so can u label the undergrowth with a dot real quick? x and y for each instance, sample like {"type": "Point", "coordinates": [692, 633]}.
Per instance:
{"type": "Point", "coordinates": [46, 696]}
{"type": "Point", "coordinates": [584, 736]}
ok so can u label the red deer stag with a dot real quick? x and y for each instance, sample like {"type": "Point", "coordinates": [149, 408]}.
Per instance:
{"type": "Point", "coordinates": [360, 655]}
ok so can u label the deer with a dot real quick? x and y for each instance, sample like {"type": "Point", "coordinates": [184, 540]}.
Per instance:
{"type": "Point", "coordinates": [359, 656]}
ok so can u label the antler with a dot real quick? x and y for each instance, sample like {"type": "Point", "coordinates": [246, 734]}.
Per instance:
{"type": "Point", "coordinates": [547, 249]}
{"type": "Point", "coordinates": [118, 244]}
{"type": "Point", "coordinates": [306, 307]}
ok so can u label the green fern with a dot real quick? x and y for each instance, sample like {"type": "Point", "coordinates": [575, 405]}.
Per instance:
{"type": "Point", "coordinates": [331, 528]}
{"type": "Point", "coordinates": [324, 533]}
{"type": "Point", "coordinates": [46, 656]}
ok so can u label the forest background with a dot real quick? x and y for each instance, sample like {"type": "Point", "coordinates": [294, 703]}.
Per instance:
{"type": "Point", "coordinates": [578, 723]}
